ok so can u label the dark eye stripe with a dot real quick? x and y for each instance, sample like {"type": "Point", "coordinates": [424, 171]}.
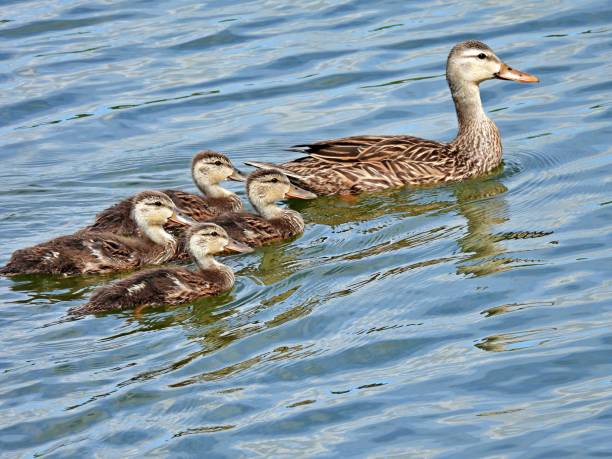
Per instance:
{"type": "Point", "coordinates": [482, 56]}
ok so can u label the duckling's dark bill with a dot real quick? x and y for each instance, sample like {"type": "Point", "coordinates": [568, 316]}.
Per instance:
{"type": "Point", "coordinates": [237, 176]}
{"type": "Point", "coordinates": [299, 193]}
{"type": "Point", "coordinates": [238, 247]}
{"type": "Point", "coordinates": [180, 220]}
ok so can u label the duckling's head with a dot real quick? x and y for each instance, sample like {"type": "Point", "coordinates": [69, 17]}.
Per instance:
{"type": "Point", "coordinates": [472, 62]}
{"type": "Point", "coordinates": [210, 239]}
{"type": "Point", "coordinates": [266, 186]}
{"type": "Point", "coordinates": [210, 168]}
{"type": "Point", "coordinates": [154, 209]}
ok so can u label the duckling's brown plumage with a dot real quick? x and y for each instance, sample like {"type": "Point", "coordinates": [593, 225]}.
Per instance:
{"type": "Point", "coordinates": [369, 163]}
{"type": "Point", "coordinates": [271, 223]}
{"type": "Point", "coordinates": [208, 169]}
{"type": "Point", "coordinates": [167, 286]}
{"type": "Point", "coordinates": [99, 252]}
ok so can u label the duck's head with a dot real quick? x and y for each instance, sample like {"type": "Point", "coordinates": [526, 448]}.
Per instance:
{"type": "Point", "coordinates": [155, 209]}
{"type": "Point", "coordinates": [474, 62]}
{"type": "Point", "coordinates": [210, 239]}
{"type": "Point", "coordinates": [210, 168]}
{"type": "Point", "coordinates": [266, 186]}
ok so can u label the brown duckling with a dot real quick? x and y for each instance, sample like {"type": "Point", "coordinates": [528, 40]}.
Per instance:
{"type": "Point", "coordinates": [169, 286]}
{"type": "Point", "coordinates": [208, 169]}
{"type": "Point", "coordinates": [91, 252]}
{"type": "Point", "coordinates": [271, 223]}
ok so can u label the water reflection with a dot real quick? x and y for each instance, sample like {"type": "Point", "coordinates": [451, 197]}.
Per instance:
{"type": "Point", "coordinates": [484, 206]}
{"type": "Point", "coordinates": [215, 323]}
{"type": "Point", "coordinates": [516, 341]}
{"type": "Point", "coordinates": [482, 202]}
{"type": "Point", "coordinates": [406, 202]}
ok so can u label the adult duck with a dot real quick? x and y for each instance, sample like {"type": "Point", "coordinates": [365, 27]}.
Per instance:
{"type": "Point", "coordinates": [168, 286]}
{"type": "Point", "coordinates": [208, 170]}
{"type": "Point", "coordinates": [271, 223]}
{"type": "Point", "coordinates": [368, 163]}
{"type": "Point", "coordinates": [91, 252]}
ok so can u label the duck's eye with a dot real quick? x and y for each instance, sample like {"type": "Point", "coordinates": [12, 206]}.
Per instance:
{"type": "Point", "coordinates": [218, 163]}
{"type": "Point", "coordinates": [157, 203]}
{"type": "Point", "coordinates": [274, 180]}
{"type": "Point", "coordinates": [214, 233]}
{"type": "Point", "coordinates": [482, 56]}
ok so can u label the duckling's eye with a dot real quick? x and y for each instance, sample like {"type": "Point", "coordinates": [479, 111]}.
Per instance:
{"type": "Point", "coordinates": [218, 163]}
{"type": "Point", "coordinates": [214, 233]}
{"type": "Point", "coordinates": [482, 56]}
{"type": "Point", "coordinates": [274, 180]}
{"type": "Point", "coordinates": [157, 203]}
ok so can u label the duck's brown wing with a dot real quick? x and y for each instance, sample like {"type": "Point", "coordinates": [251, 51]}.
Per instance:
{"type": "Point", "coordinates": [191, 205]}
{"type": "Point", "coordinates": [153, 287]}
{"type": "Point", "coordinates": [75, 254]}
{"type": "Point", "coordinates": [116, 219]}
{"type": "Point", "coordinates": [344, 150]}
{"type": "Point", "coordinates": [358, 149]}
{"type": "Point", "coordinates": [249, 229]}
{"type": "Point", "coordinates": [116, 252]}
{"type": "Point", "coordinates": [57, 256]}
{"type": "Point", "coordinates": [366, 163]}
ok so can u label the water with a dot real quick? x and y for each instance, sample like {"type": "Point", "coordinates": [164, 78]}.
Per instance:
{"type": "Point", "coordinates": [459, 321]}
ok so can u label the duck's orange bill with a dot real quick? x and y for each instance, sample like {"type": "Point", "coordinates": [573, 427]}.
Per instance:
{"type": "Point", "coordinates": [180, 220]}
{"type": "Point", "coordinates": [238, 247]}
{"type": "Point", "coordinates": [299, 193]}
{"type": "Point", "coordinates": [508, 73]}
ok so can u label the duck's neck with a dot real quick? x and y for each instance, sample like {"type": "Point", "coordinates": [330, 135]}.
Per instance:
{"type": "Point", "coordinates": [467, 104]}
{"type": "Point", "coordinates": [290, 222]}
{"type": "Point", "coordinates": [267, 210]}
{"type": "Point", "coordinates": [157, 234]}
{"type": "Point", "coordinates": [206, 262]}
{"type": "Point", "coordinates": [478, 136]}
{"type": "Point", "coordinates": [213, 190]}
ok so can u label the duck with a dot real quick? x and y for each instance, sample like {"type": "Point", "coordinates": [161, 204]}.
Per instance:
{"type": "Point", "coordinates": [351, 165]}
{"type": "Point", "coordinates": [271, 223]}
{"type": "Point", "coordinates": [103, 252]}
{"type": "Point", "coordinates": [208, 169]}
{"type": "Point", "coordinates": [172, 285]}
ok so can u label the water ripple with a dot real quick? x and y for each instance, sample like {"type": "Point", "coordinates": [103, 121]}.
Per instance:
{"type": "Point", "coordinates": [466, 320]}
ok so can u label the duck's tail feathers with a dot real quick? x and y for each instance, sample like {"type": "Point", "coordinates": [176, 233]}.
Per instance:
{"type": "Point", "coordinates": [276, 167]}
{"type": "Point", "coordinates": [264, 165]}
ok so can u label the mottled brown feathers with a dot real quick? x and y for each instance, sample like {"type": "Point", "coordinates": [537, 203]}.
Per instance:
{"type": "Point", "coordinates": [200, 208]}
{"type": "Point", "coordinates": [370, 163]}
{"type": "Point", "coordinates": [116, 219]}
{"type": "Point", "coordinates": [157, 287]}
{"type": "Point", "coordinates": [86, 253]}
{"type": "Point", "coordinates": [255, 231]}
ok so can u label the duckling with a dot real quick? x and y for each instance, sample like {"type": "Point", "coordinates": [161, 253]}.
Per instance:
{"type": "Point", "coordinates": [208, 169]}
{"type": "Point", "coordinates": [369, 162]}
{"type": "Point", "coordinates": [171, 286]}
{"type": "Point", "coordinates": [271, 224]}
{"type": "Point", "coordinates": [90, 252]}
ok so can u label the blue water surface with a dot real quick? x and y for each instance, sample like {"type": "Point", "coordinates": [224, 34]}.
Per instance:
{"type": "Point", "coordinates": [468, 320]}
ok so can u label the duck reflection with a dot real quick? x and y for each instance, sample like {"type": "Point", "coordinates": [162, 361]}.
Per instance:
{"type": "Point", "coordinates": [482, 202]}
{"type": "Point", "coordinates": [484, 206]}
{"type": "Point", "coordinates": [335, 210]}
